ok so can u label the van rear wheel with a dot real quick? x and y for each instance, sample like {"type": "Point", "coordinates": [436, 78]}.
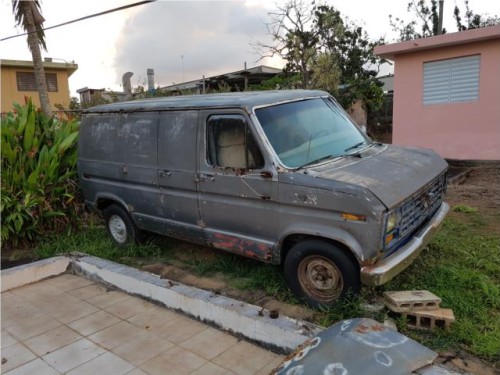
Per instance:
{"type": "Point", "coordinates": [120, 226]}
{"type": "Point", "coordinates": [320, 273]}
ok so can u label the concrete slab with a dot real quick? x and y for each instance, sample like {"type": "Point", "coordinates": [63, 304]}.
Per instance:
{"type": "Point", "coordinates": [110, 342]}
{"type": "Point", "coordinates": [282, 334]}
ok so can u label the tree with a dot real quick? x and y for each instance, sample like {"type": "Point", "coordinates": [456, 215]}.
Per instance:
{"type": "Point", "coordinates": [425, 25]}
{"type": "Point", "coordinates": [27, 14]}
{"type": "Point", "coordinates": [472, 20]}
{"type": "Point", "coordinates": [293, 39]}
{"type": "Point", "coordinates": [426, 20]}
{"type": "Point", "coordinates": [324, 50]}
{"type": "Point", "coordinates": [352, 50]}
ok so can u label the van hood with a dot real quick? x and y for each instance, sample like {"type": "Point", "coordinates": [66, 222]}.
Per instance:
{"type": "Point", "coordinates": [392, 173]}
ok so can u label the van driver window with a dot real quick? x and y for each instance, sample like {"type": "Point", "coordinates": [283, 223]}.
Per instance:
{"type": "Point", "coordinates": [230, 143]}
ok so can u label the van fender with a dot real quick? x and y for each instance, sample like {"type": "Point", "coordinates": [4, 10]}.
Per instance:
{"type": "Point", "coordinates": [335, 234]}
{"type": "Point", "coordinates": [112, 197]}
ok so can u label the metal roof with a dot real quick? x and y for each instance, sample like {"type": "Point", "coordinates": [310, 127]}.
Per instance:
{"type": "Point", "coordinates": [248, 99]}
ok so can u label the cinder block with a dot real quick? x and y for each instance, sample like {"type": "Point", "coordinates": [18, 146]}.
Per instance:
{"type": "Point", "coordinates": [410, 300]}
{"type": "Point", "coordinates": [429, 319]}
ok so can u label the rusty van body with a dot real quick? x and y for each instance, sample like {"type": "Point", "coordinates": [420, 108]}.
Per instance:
{"type": "Point", "coordinates": [284, 177]}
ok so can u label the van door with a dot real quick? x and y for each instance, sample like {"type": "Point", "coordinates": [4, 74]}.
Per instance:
{"type": "Point", "coordinates": [238, 187]}
{"type": "Point", "coordinates": [177, 174]}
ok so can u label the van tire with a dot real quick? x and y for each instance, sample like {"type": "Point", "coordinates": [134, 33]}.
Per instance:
{"type": "Point", "coordinates": [320, 273]}
{"type": "Point", "coordinates": [120, 226]}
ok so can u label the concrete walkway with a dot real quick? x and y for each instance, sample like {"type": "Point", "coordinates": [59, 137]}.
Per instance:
{"type": "Point", "coordinates": [70, 325]}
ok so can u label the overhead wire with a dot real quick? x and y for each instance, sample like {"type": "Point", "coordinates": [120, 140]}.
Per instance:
{"type": "Point", "coordinates": [83, 18]}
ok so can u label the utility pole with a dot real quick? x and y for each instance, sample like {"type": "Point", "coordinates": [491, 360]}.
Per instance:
{"type": "Point", "coordinates": [440, 19]}
{"type": "Point", "coordinates": [182, 60]}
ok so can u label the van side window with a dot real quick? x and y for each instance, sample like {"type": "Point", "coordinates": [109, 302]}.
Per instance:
{"type": "Point", "coordinates": [230, 144]}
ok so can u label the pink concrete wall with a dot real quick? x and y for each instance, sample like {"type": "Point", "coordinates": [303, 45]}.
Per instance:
{"type": "Point", "coordinates": [466, 130]}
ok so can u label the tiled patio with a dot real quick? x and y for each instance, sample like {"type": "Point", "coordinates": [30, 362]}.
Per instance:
{"type": "Point", "coordinates": [70, 325]}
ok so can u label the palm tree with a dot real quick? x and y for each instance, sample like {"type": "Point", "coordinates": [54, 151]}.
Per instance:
{"type": "Point", "coordinates": [27, 14]}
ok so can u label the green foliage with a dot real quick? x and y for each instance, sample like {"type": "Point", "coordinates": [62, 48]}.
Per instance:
{"type": "Point", "coordinates": [324, 50]}
{"type": "Point", "coordinates": [20, 9]}
{"type": "Point", "coordinates": [462, 267]}
{"type": "Point", "coordinates": [426, 20]}
{"type": "Point", "coordinates": [39, 190]}
{"type": "Point", "coordinates": [464, 209]}
{"type": "Point", "coordinates": [282, 81]}
{"type": "Point", "coordinates": [472, 20]}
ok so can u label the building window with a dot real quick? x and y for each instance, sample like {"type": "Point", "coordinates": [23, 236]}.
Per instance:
{"type": "Point", "coordinates": [452, 80]}
{"type": "Point", "coordinates": [26, 81]}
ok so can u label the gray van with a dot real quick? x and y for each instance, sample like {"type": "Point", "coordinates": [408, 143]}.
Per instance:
{"type": "Point", "coordinates": [284, 177]}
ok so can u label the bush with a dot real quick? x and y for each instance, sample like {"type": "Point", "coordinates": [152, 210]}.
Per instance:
{"type": "Point", "coordinates": [39, 190]}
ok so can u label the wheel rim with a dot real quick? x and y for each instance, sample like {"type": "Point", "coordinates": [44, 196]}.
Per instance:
{"type": "Point", "coordinates": [320, 278]}
{"type": "Point", "coordinates": [118, 229]}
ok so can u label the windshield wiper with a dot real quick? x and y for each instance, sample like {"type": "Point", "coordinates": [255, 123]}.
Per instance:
{"type": "Point", "coordinates": [355, 146]}
{"type": "Point", "coordinates": [316, 161]}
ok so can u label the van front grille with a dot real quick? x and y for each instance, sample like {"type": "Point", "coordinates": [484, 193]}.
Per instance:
{"type": "Point", "coordinates": [420, 207]}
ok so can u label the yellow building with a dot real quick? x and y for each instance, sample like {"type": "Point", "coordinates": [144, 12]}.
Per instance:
{"type": "Point", "coordinates": [18, 82]}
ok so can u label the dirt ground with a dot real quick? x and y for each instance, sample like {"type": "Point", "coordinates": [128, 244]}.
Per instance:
{"type": "Point", "coordinates": [478, 187]}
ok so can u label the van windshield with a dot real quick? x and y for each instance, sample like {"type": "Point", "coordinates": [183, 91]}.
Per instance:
{"type": "Point", "coordinates": [309, 131]}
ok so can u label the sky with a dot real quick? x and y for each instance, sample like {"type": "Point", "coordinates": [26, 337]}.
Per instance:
{"type": "Point", "coordinates": [180, 40]}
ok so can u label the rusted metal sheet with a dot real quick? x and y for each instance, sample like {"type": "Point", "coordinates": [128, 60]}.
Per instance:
{"type": "Point", "coordinates": [358, 346]}
{"type": "Point", "coordinates": [237, 245]}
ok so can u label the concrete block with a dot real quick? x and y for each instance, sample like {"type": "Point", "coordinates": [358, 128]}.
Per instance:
{"type": "Point", "coordinates": [429, 319]}
{"type": "Point", "coordinates": [32, 272]}
{"type": "Point", "coordinates": [401, 301]}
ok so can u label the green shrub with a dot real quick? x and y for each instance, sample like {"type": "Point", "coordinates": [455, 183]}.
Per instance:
{"type": "Point", "coordinates": [39, 189]}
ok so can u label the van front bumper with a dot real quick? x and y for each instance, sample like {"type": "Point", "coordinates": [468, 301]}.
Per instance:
{"type": "Point", "coordinates": [385, 269]}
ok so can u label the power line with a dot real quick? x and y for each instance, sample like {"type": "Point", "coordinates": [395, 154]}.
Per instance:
{"type": "Point", "coordinates": [84, 18]}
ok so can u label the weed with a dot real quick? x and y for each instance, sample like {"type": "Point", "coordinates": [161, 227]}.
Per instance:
{"type": "Point", "coordinates": [464, 209]}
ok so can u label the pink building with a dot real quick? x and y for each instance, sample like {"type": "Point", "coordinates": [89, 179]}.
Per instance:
{"type": "Point", "coordinates": [447, 93]}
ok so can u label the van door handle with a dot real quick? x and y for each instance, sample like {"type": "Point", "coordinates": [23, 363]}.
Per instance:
{"type": "Point", "coordinates": [164, 173]}
{"type": "Point", "coordinates": [206, 176]}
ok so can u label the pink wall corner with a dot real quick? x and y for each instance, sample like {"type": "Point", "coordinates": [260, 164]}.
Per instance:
{"type": "Point", "coordinates": [465, 131]}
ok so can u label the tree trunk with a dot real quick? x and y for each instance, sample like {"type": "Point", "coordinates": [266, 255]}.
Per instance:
{"type": "Point", "coordinates": [34, 47]}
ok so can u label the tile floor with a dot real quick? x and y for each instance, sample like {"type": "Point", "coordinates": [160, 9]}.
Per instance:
{"type": "Point", "coordinates": [70, 325]}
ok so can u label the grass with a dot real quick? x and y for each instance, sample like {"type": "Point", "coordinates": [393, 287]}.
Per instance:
{"type": "Point", "coordinates": [464, 208]}
{"type": "Point", "coordinates": [461, 265]}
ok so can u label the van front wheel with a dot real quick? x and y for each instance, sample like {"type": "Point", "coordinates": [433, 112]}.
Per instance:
{"type": "Point", "coordinates": [319, 273]}
{"type": "Point", "coordinates": [120, 226]}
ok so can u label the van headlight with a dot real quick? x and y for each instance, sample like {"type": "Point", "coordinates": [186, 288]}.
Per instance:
{"type": "Point", "coordinates": [392, 222]}
{"type": "Point", "coordinates": [391, 228]}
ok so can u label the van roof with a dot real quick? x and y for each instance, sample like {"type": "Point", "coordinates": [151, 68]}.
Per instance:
{"type": "Point", "coordinates": [248, 99]}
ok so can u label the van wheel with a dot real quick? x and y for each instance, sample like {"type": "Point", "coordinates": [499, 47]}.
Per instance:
{"type": "Point", "coordinates": [319, 273]}
{"type": "Point", "coordinates": [120, 226]}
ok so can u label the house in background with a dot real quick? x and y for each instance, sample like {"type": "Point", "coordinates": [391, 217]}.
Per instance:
{"type": "Point", "coordinates": [18, 82]}
{"type": "Point", "coordinates": [447, 93]}
{"type": "Point", "coordinates": [93, 96]}
{"type": "Point", "coordinates": [239, 80]}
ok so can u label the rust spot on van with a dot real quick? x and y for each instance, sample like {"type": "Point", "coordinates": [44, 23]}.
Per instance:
{"type": "Point", "coordinates": [250, 249]}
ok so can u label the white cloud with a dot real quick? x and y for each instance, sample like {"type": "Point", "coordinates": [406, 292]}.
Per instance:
{"type": "Point", "coordinates": [213, 37]}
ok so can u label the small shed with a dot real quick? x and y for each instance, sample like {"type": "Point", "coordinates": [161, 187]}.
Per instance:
{"type": "Point", "coordinates": [447, 93]}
